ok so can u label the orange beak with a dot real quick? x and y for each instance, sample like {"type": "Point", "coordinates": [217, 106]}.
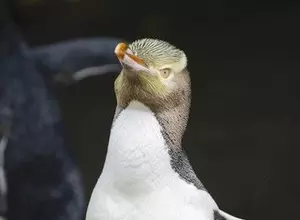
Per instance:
{"type": "Point", "coordinates": [127, 58]}
{"type": "Point", "coordinates": [120, 51]}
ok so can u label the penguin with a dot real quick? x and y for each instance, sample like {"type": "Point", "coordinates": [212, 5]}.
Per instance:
{"type": "Point", "coordinates": [146, 174]}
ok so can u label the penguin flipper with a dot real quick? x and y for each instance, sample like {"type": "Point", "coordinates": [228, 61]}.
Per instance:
{"type": "Point", "coordinates": [225, 216]}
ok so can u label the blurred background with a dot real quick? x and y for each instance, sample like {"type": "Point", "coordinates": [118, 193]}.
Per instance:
{"type": "Point", "coordinates": [242, 138]}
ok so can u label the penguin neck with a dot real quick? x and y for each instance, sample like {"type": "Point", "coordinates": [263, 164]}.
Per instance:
{"type": "Point", "coordinates": [138, 153]}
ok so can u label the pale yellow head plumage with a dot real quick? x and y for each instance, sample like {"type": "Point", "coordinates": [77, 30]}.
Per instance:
{"type": "Point", "coordinates": [153, 70]}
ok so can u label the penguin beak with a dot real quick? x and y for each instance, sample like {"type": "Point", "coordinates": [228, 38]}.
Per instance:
{"type": "Point", "coordinates": [127, 59]}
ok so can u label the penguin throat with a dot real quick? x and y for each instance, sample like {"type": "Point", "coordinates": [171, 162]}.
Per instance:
{"type": "Point", "coordinates": [137, 151]}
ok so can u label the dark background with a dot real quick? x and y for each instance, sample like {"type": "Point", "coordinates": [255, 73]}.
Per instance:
{"type": "Point", "coordinates": [242, 137]}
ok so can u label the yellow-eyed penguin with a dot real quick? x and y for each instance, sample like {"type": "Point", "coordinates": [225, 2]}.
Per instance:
{"type": "Point", "coordinates": [147, 175]}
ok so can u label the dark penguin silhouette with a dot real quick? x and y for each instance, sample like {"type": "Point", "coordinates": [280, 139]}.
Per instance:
{"type": "Point", "coordinates": [39, 179]}
{"type": "Point", "coordinates": [42, 179]}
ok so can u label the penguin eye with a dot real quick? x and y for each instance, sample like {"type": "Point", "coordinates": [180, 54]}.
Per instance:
{"type": "Point", "coordinates": [165, 73]}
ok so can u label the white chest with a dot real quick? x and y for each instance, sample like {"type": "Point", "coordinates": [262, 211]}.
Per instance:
{"type": "Point", "coordinates": [137, 181]}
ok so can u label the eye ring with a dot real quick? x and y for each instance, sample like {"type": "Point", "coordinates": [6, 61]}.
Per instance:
{"type": "Point", "coordinates": [165, 73]}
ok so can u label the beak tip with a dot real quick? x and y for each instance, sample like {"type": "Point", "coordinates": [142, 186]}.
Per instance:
{"type": "Point", "coordinates": [120, 50]}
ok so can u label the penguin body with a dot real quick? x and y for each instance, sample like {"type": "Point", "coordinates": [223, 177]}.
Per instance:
{"type": "Point", "coordinates": [138, 182]}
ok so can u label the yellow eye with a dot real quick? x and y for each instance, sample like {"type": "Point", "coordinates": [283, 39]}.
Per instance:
{"type": "Point", "coordinates": [165, 73]}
